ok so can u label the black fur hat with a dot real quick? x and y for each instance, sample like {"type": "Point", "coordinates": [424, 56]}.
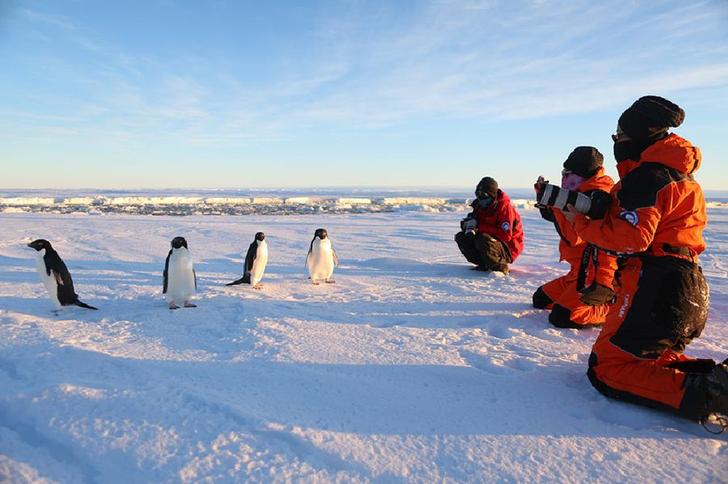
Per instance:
{"type": "Point", "coordinates": [650, 117]}
{"type": "Point", "coordinates": [584, 161]}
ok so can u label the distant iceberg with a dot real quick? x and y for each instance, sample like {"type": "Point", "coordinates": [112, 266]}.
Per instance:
{"type": "Point", "coordinates": [167, 203]}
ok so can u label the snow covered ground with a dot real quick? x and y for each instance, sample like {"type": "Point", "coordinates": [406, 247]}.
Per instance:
{"type": "Point", "coordinates": [410, 368]}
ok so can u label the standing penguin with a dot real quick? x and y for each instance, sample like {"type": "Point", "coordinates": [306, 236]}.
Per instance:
{"type": "Point", "coordinates": [180, 280]}
{"type": "Point", "coordinates": [255, 261]}
{"type": "Point", "coordinates": [321, 258]}
{"type": "Point", "coordinates": [55, 276]}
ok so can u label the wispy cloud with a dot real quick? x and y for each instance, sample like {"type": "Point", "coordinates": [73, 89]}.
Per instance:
{"type": "Point", "coordinates": [386, 65]}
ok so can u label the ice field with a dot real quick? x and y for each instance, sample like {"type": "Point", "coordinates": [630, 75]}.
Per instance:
{"type": "Point", "coordinates": [412, 367]}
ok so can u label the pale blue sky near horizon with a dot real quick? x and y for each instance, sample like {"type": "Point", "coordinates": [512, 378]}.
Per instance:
{"type": "Point", "coordinates": [167, 94]}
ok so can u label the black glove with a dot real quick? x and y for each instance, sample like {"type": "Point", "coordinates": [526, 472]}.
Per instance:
{"type": "Point", "coordinates": [469, 223]}
{"type": "Point", "coordinates": [698, 365]}
{"type": "Point", "coordinates": [600, 203]}
{"type": "Point", "coordinates": [596, 295]}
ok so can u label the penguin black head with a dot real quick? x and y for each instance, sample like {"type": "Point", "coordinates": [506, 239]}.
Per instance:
{"type": "Point", "coordinates": [321, 234]}
{"type": "Point", "coordinates": [178, 242]}
{"type": "Point", "coordinates": [40, 244]}
{"type": "Point", "coordinates": [260, 236]}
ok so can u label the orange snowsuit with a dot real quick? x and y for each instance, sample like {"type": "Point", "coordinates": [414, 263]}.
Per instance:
{"type": "Point", "coordinates": [655, 225]}
{"type": "Point", "coordinates": [586, 261]}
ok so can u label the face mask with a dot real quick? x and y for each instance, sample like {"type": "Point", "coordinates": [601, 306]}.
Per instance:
{"type": "Point", "coordinates": [571, 181]}
{"type": "Point", "coordinates": [485, 202]}
{"type": "Point", "coordinates": [632, 149]}
{"type": "Point", "coordinates": [626, 150]}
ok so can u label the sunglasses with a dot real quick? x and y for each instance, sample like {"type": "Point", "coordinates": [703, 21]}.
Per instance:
{"type": "Point", "coordinates": [566, 172]}
{"type": "Point", "coordinates": [481, 194]}
{"type": "Point", "coordinates": [620, 136]}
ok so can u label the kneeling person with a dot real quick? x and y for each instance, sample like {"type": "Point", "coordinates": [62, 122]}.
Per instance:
{"type": "Point", "coordinates": [491, 236]}
{"type": "Point", "coordinates": [580, 298]}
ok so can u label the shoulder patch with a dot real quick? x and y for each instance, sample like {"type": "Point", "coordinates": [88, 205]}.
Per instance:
{"type": "Point", "coordinates": [641, 186]}
{"type": "Point", "coordinates": [506, 226]}
{"type": "Point", "coordinates": [629, 216]}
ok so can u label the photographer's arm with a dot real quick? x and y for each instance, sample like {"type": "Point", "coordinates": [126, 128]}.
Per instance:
{"type": "Point", "coordinates": [623, 231]}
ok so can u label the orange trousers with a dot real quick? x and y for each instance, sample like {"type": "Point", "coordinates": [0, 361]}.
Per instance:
{"type": "Point", "coordinates": [562, 291]}
{"type": "Point", "coordinates": [661, 306]}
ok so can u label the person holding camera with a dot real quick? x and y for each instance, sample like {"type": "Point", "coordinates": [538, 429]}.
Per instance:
{"type": "Point", "coordinates": [580, 298]}
{"type": "Point", "coordinates": [491, 236]}
{"type": "Point", "coordinates": [655, 226]}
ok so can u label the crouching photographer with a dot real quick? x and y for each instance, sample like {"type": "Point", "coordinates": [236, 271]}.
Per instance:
{"type": "Point", "coordinates": [580, 298]}
{"type": "Point", "coordinates": [491, 236]}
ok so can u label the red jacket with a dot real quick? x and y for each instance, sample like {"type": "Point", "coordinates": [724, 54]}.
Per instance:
{"type": "Point", "coordinates": [502, 221]}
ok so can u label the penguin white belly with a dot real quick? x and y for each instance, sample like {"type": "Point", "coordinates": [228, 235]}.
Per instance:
{"type": "Point", "coordinates": [321, 261]}
{"type": "Point", "coordinates": [261, 259]}
{"type": "Point", "coordinates": [180, 277]}
{"type": "Point", "coordinates": [48, 281]}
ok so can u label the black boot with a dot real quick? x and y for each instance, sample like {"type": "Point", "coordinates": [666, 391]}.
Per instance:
{"type": "Point", "coordinates": [706, 393]}
{"type": "Point", "coordinates": [717, 388]}
{"type": "Point", "coordinates": [541, 299]}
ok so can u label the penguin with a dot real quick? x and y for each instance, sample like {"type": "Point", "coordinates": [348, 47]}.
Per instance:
{"type": "Point", "coordinates": [180, 280]}
{"type": "Point", "coordinates": [321, 258]}
{"type": "Point", "coordinates": [255, 261]}
{"type": "Point", "coordinates": [55, 276]}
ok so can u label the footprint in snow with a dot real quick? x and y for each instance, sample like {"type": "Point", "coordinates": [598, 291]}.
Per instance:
{"type": "Point", "coordinates": [485, 363]}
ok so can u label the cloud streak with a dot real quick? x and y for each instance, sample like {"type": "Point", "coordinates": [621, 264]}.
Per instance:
{"type": "Point", "coordinates": [443, 60]}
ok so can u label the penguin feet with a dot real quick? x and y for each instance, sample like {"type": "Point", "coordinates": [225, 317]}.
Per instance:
{"type": "Point", "coordinates": [258, 286]}
{"type": "Point", "coordinates": [173, 306]}
{"type": "Point", "coordinates": [190, 305]}
{"type": "Point", "coordinates": [330, 281]}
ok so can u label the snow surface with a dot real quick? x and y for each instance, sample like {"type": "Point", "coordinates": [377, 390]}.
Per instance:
{"type": "Point", "coordinates": [410, 368]}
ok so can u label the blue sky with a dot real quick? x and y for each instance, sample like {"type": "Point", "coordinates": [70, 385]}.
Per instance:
{"type": "Point", "coordinates": [158, 93]}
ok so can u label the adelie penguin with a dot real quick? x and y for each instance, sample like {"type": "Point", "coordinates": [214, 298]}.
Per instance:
{"type": "Point", "coordinates": [321, 258]}
{"type": "Point", "coordinates": [180, 280]}
{"type": "Point", "coordinates": [255, 261]}
{"type": "Point", "coordinates": [55, 276]}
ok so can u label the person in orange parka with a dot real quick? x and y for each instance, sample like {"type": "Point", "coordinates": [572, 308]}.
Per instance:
{"type": "Point", "coordinates": [655, 225]}
{"type": "Point", "coordinates": [580, 298]}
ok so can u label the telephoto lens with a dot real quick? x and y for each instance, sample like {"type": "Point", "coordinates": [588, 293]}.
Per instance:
{"type": "Point", "coordinates": [554, 196]}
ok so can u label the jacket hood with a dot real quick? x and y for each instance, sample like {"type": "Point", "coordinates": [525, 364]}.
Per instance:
{"type": "Point", "coordinates": [502, 197]}
{"type": "Point", "coordinates": [672, 151]}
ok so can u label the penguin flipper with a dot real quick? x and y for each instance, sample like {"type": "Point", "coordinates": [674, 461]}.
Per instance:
{"type": "Point", "coordinates": [236, 282]}
{"type": "Point", "coordinates": [165, 274]}
{"type": "Point", "coordinates": [336, 257]}
{"type": "Point", "coordinates": [250, 256]}
{"type": "Point", "coordinates": [64, 288]}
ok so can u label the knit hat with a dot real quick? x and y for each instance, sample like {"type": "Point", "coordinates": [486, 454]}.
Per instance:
{"type": "Point", "coordinates": [487, 185]}
{"type": "Point", "coordinates": [650, 117]}
{"type": "Point", "coordinates": [584, 161]}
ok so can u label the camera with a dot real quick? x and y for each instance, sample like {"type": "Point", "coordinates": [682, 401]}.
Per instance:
{"type": "Point", "coordinates": [594, 205]}
{"type": "Point", "coordinates": [469, 223]}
